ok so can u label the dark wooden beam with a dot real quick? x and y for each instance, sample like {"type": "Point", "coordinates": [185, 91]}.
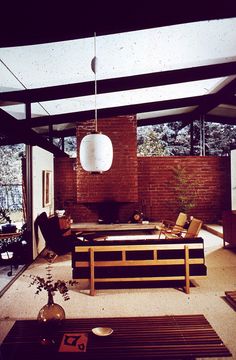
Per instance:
{"type": "Point", "coordinates": [186, 120]}
{"type": "Point", "coordinates": [8, 103]}
{"type": "Point", "coordinates": [220, 119]}
{"type": "Point", "coordinates": [15, 129]}
{"type": "Point", "coordinates": [216, 99]}
{"type": "Point", "coordinates": [120, 84]}
{"type": "Point", "coordinates": [117, 111]}
{"type": "Point", "coordinates": [230, 100]}
{"type": "Point", "coordinates": [10, 141]}
{"type": "Point", "coordinates": [213, 118]}
{"type": "Point", "coordinates": [48, 93]}
{"type": "Point", "coordinates": [165, 119]}
{"type": "Point", "coordinates": [59, 133]}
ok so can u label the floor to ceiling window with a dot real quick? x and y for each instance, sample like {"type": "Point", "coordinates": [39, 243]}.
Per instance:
{"type": "Point", "coordinates": [12, 214]}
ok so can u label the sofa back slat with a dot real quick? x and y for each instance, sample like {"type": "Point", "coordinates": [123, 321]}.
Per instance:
{"type": "Point", "coordinates": [135, 261]}
{"type": "Point", "coordinates": [112, 248]}
{"type": "Point", "coordinates": [138, 262]}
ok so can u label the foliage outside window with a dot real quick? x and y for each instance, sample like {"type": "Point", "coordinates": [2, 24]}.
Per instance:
{"type": "Point", "coordinates": [11, 180]}
{"type": "Point", "coordinates": [174, 139]}
{"type": "Point", "coordinates": [70, 145]}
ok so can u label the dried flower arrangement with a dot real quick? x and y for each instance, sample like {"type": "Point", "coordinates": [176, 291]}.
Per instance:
{"type": "Point", "coordinates": [48, 284]}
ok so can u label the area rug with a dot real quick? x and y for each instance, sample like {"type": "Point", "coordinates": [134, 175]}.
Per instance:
{"type": "Point", "coordinates": [231, 298]}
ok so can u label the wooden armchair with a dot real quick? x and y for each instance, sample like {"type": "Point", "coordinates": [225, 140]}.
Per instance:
{"type": "Point", "coordinates": [174, 227]}
{"type": "Point", "coordinates": [192, 231]}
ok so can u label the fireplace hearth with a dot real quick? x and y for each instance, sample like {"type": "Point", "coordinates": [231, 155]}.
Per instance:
{"type": "Point", "coordinates": [111, 212]}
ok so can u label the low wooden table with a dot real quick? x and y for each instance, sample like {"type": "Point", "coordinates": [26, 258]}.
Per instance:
{"type": "Point", "coordinates": [96, 227]}
{"type": "Point", "coordinates": [161, 337]}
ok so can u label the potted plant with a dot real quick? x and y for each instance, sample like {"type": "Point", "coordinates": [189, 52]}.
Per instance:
{"type": "Point", "coordinates": [185, 187]}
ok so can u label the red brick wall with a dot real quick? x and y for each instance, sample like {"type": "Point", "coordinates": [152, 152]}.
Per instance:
{"type": "Point", "coordinates": [64, 182]}
{"type": "Point", "coordinates": [119, 183]}
{"type": "Point", "coordinates": [65, 190]}
{"type": "Point", "coordinates": [209, 177]}
{"type": "Point", "coordinates": [143, 183]}
{"type": "Point", "coordinates": [156, 196]}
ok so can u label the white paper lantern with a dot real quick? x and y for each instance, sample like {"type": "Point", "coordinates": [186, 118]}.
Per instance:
{"type": "Point", "coordinates": [96, 152]}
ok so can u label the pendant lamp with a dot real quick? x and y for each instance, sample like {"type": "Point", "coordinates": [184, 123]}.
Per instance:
{"type": "Point", "coordinates": [96, 151]}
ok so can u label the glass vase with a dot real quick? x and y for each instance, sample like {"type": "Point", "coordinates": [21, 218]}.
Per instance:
{"type": "Point", "coordinates": [51, 314]}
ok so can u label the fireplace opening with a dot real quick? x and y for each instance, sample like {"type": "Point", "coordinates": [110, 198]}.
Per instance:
{"type": "Point", "coordinates": [108, 212]}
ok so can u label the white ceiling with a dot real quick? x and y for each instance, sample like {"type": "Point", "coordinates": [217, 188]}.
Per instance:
{"type": "Point", "coordinates": [118, 55]}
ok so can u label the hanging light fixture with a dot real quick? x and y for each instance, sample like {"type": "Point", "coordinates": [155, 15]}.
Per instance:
{"type": "Point", "coordinates": [96, 152]}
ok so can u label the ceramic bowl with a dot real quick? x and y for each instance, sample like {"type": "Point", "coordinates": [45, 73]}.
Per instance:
{"type": "Point", "coordinates": [102, 331]}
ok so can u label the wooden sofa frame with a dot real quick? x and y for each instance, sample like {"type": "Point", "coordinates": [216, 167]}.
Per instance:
{"type": "Point", "coordinates": [90, 262]}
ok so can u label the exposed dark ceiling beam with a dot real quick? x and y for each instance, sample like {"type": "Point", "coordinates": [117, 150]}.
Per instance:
{"type": "Point", "coordinates": [218, 98]}
{"type": "Point", "coordinates": [13, 140]}
{"type": "Point", "coordinates": [24, 25]}
{"type": "Point", "coordinates": [116, 111]}
{"type": "Point", "coordinates": [49, 93]}
{"type": "Point", "coordinates": [220, 119]}
{"type": "Point", "coordinates": [8, 103]}
{"type": "Point", "coordinates": [230, 100]}
{"type": "Point", "coordinates": [124, 110]}
{"type": "Point", "coordinates": [16, 130]}
{"type": "Point", "coordinates": [186, 119]}
{"type": "Point", "coordinates": [165, 119]}
{"type": "Point", "coordinates": [58, 133]}
{"type": "Point", "coordinates": [120, 84]}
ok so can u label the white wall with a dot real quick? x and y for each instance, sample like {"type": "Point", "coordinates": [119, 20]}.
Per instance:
{"type": "Point", "coordinates": [233, 179]}
{"type": "Point", "coordinates": [41, 160]}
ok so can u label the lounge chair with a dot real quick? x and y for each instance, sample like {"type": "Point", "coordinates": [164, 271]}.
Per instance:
{"type": "Point", "coordinates": [176, 232]}
{"type": "Point", "coordinates": [53, 235]}
{"type": "Point", "coordinates": [174, 227]}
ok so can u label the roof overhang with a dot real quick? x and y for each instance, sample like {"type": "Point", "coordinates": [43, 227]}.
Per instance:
{"type": "Point", "coordinates": [25, 23]}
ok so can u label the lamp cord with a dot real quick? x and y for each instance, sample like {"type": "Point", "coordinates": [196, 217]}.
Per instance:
{"type": "Point", "coordinates": [95, 83]}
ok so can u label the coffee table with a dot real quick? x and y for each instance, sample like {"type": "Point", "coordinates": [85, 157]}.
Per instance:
{"type": "Point", "coordinates": [114, 228]}
{"type": "Point", "coordinates": [161, 337]}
